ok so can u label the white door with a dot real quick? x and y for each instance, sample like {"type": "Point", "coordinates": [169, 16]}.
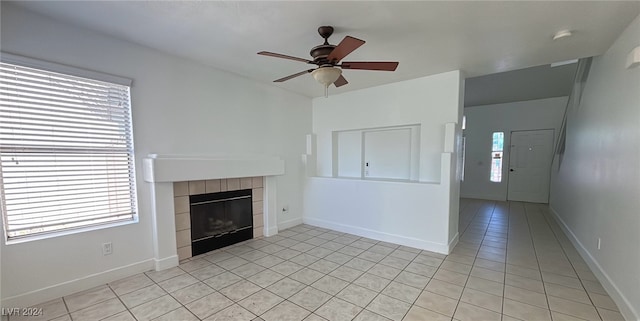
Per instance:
{"type": "Point", "coordinates": [530, 165]}
{"type": "Point", "coordinates": [387, 154]}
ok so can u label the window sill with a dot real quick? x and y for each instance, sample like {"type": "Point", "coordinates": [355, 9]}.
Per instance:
{"type": "Point", "coordinates": [27, 239]}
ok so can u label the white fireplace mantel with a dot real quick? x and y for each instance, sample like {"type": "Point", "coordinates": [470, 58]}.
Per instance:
{"type": "Point", "coordinates": [178, 168]}
{"type": "Point", "coordinates": [161, 171]}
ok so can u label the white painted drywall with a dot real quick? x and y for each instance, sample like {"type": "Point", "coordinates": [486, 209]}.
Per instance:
{"type": "Point", "coordinates": [482, 121]}
{"type": "Point", "coordinates": [596, 192]}
{"type": "Point", "coordinates": [428, 101]}
{"type": "Point", "coordinates": [398, 212]}
{"type": "Point", "coordinates": [179, 107]}
{"type": "Point", "coordinates": [349, 153]}
{"type": "Point", "coordinates": [409, 213]}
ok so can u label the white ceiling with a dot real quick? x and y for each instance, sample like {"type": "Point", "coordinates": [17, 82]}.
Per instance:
{"type": "Point", "coordinates": [425, 37]}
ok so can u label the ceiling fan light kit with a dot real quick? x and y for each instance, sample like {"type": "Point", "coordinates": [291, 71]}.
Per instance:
{"type": "Point", "coordinates": [327, 57]}
{"type": "Point", "coordinates": [326, 76]}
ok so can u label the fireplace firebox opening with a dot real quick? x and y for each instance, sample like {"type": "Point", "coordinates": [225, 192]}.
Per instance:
{"type": "Point", "coordinates": [220, 219]}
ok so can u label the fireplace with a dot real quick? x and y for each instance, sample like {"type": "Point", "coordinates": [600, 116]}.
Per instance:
{"type": "Point", "coordinates": [220, 219]}
{"type": "Point", "coordinates": [173, 178]}
{"type": "Point", "coordinates": [210, 193]}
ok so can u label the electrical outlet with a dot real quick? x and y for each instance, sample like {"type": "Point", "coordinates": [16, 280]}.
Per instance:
{"type": "Point", "coordinates": [598, 243]}
{"type": "Point", "coordinates": [107, 248]}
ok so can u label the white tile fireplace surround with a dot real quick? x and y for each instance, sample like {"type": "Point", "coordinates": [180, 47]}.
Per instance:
{"type": "Point", "coordinates": [162, 171]}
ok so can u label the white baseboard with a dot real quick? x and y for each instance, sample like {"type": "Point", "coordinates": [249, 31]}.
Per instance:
{"type": "Point", "coordinates": [166, 263]}
{"type": "Point", "coordinates": [484, 197]}
{"type": "Point", "coordinates": [271, 231]}
{"type": "Point", "coordinates": [453, 243]}
{"type": "Point", "coordinates": [626, 309]}
{"type": "Point", "coordinates": [80, 284]}
{"type": "Point", "coordinates": [381, 236]}
{"type": "Point", "coordinates": [289, 223]}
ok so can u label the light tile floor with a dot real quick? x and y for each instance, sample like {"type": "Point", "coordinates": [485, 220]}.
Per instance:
{"type": "Point", "coordinates": [512, 263]}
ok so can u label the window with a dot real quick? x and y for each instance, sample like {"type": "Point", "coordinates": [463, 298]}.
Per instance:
{"type": "Point", "coordinates": [464, 148]}
{"type": "Point", "coordinates": [497, 146]}
{"type": "Point", "coordinates": [66, 149]}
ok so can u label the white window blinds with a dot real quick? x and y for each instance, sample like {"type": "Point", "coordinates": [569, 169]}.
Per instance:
{"type": "Point", "coordinates": [66, 152]}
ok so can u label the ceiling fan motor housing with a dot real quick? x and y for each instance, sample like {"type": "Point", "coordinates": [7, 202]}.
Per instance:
{"type": "Point", "coordinates": [320, 53]}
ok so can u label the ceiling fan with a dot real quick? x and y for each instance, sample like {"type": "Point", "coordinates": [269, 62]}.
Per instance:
{"type": "Point", "coordinates": [327, 57]}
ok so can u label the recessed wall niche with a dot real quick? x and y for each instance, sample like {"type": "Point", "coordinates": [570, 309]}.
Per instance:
{"type": "Point", "coordinates": [385, 153]}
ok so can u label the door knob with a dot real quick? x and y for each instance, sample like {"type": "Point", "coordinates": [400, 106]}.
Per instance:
{"type": "Point", "coordinates": [511, 170]}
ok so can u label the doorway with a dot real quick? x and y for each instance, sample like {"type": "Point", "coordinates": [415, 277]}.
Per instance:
{"type": "Point", "coordinates": [530, 165]}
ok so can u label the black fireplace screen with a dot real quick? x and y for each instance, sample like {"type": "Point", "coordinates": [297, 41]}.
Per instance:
{"type": "Point", "coordinates": [220, 219]}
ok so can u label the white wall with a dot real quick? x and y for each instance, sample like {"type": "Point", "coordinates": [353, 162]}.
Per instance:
{"type": "Point", "coordinates": [409, 213]}
{"type": "Point", "coordinates": [349, 153]}
{"type": "Point", "coordinates": [482, 121]}
{"type": "Point", "coordinates": [596, 192]}
{"type": "Point", "coordinates": [429, 101]}
{"type": "Point", "coordinates": [179, 107]}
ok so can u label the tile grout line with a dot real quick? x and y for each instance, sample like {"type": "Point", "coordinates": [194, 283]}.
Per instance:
{"type": "Point", "coordinates": [493, 214]}
{"type": "Point", "coordinates": [65, 306]}
{"type": "Point", "coordinates": [122, 302]}
{"type": "Point", "coordinates": [555, 236]}
{"type": "Point", "coordinates": [474, 259]}
{"type": "Point", "coordinates": [535, 252]}
{"type": "Point", "coordinates": [506, 253]}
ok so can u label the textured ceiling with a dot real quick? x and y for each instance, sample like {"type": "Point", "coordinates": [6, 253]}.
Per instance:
{"type": "Point", "coordinates": [427, 38]}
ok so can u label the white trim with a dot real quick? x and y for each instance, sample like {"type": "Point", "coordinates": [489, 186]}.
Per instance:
{"type": "Point", "coordinates": [63, 69]}
{"type": "Point", "coordinates": [166, 263]}
{"type": "Point", "coordinates": [80, 284]}
{"type": "Point", "coordinates": [452, 244]}
{"type": "Point", "coordinates": [289, 223]}
{"type": "Point", "coordinates": [172, 168]}
{"type": "Point", "coordinates": [381, 236]}
{"type": "Point", "coordinates": [270, 231]}
{"type": "Point", "coordinates": [626, 308]}
{"type": "Point", "coordinates": [44, 236]}
{"type": "Point", "coordinates": [270, 210]}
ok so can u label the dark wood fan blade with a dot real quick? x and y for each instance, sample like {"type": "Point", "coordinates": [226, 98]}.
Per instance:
{"type": "Point", "coordinates": [340, 82]}
{"type": "Point", "coordinates": [345, 47]}
{"type": "Point", "coordinates": [293, 76]}
{"type": "Point", "coordinates": [370, 65]}
{"type": "Point", "coordinates": [277, 55]}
